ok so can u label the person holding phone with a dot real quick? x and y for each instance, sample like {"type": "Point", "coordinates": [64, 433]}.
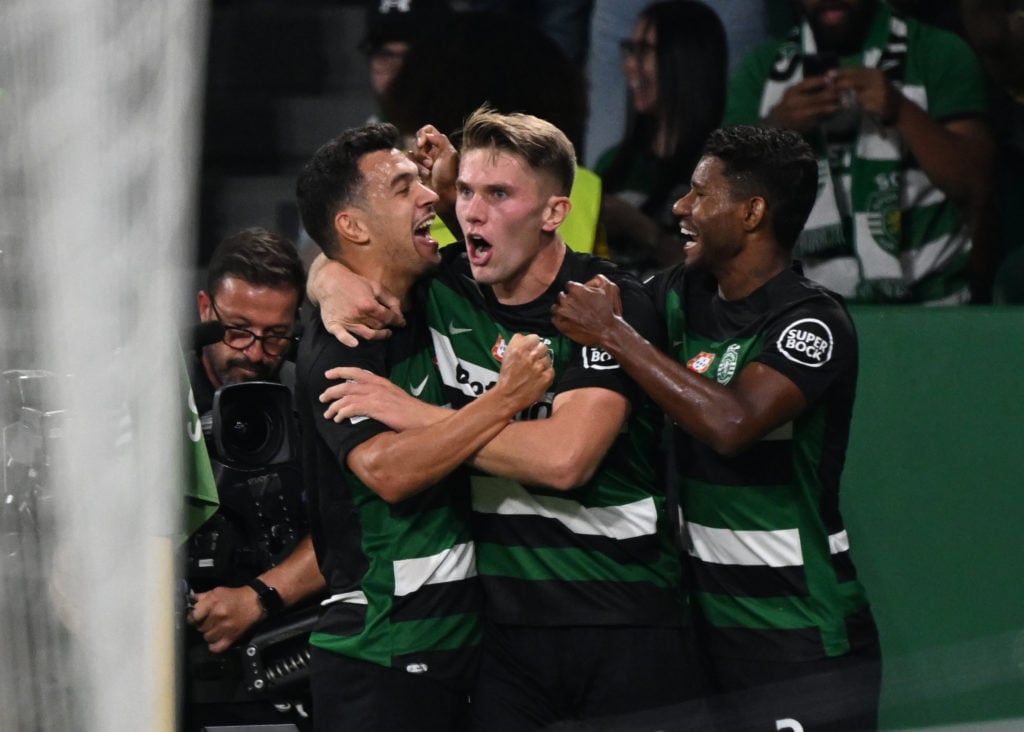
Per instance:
{"type": "Point", "coordinates": [895, 111]}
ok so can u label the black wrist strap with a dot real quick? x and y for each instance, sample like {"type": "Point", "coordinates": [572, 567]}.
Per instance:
{"type": "Point", "coordinates": [268, 597]}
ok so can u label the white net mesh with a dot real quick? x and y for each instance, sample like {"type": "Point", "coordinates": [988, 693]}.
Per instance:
{"type": "Point", "coordinates": [98, 157]}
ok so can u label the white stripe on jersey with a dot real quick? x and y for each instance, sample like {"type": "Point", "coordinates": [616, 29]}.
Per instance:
{"type": "Point", "coordinates": [505, 497]}
{"type": "Point", "coordinates": [451, 565]}
{"type": "Point", "coordinates": [779, 548]}
{"type": "Point", "coordinates": [746, 548]}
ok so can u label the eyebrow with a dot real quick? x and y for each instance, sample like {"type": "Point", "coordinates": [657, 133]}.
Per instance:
{"type": "Point", "coordinates": [243, 322]}
{"type": "Point", "coordinates": [402, 179]}
{"type": "Point", "coordinates": [486, 188]}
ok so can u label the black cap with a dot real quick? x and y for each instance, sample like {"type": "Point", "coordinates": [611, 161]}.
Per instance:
{"type": "Point", "coordinates": [400, 20]}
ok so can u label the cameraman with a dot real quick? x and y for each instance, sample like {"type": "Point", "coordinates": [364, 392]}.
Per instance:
{"type": "Point", "coordinates": [253, 289]}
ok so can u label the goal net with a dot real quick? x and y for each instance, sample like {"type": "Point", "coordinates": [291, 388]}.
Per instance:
{"type": "Point", "coordinates": [99, 126]}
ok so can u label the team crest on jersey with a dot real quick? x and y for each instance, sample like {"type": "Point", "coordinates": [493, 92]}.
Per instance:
{"type": "Point", "coordinates": [807, 342]}
{"type": "Point", "coordinates": [730, 359]}
{"type": "Point", "coordinates": [499, 348]}
{"type": "Point", "coordinates": [701, 362]}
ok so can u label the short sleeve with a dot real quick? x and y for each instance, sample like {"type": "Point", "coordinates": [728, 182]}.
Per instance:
{"type": "Point", "coordinates": [593, 366]}
{"type": "Point", "coordinates": [813, 344]}
{"type": "Point", "coordinates": [342, 437]}
{"type": "Point", "coordinates": [952, 75]}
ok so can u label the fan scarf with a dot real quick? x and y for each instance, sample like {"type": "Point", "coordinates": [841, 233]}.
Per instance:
{"type": "Point", "coordinates": [879, 262]}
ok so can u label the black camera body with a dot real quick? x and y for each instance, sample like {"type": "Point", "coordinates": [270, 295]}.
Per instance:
{"type": "Point", "coordinates": [252, 439]}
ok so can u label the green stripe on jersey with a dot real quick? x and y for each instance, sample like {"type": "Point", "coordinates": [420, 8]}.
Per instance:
{"type": "Point", "coordinates": [573, 565]}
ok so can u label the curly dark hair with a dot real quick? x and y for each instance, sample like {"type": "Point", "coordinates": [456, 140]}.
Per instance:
{"type": "Point", "coordinates": [774, 163]}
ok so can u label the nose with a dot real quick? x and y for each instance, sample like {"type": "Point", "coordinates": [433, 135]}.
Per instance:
{"type": "Point", "coordinates": [682, 206]}
{"type": "Point", "coordinates": [254, 351]}
{"type": "Point", "coordinates": [468, 208]}
{"type": "Point", "coordinates": [427, 196]}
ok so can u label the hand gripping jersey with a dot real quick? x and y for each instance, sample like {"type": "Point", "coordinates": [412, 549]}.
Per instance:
{"type": "Point", "coordinates": [770, 555]}
{"type": "Point", "coordinates": [402, 576]}
{"type": "Point", "coordinates": [596, 555]}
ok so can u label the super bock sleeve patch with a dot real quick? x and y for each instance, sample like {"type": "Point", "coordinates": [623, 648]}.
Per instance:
{"type": "Point", "coordinates": [807, 341]}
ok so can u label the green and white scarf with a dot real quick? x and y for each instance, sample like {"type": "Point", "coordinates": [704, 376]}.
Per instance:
{"type": "Point", "coordinates": [878, 263]}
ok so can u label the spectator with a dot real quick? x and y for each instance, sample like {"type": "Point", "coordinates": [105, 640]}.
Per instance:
{"type": "Point", "coordinates": [392, 29]}
{"type": "Point", "coordinates": [748, 23]}
{"type": "Point", "coordinates": [895, 109]}
{"type": "Point", "coordinates": [675, 65]}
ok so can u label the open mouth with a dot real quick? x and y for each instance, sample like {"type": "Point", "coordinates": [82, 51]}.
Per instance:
{"type": "Point", "coordinates": [479, 250]}
{"type": "Point", "coordinates": [422, 237]}
{"type": "Point", "coordinates": [689, 237]}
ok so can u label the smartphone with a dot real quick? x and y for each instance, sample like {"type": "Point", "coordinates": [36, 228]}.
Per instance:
{"type": "Point", "coordinates": [816, 64]}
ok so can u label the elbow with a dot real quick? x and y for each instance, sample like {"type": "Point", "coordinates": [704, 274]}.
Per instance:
{"type": "Point", "coordinates": [390, 484]}
{"type": "Point", "coordinates": [571, 473]}
{"type": "Point", "coordinates": [730, 440]}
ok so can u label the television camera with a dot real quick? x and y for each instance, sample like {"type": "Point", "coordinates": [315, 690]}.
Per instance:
{"type": "Point", "coordinates": [251, 437]}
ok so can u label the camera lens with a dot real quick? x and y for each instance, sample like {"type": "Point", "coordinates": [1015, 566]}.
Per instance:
{"type": "Point", "coordinates": [251, 425]}
{"type": "Point", "coordinates": [249, 434]}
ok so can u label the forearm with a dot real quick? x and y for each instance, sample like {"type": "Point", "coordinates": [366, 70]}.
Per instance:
{"type": "Point", "coordinates": [298, 576]}
{"type": "Point", "coordinates": [957, 158]}
{"type": "Point", "coordinates": [562, 451]}
{"type": "Point", "coordinates": [315, 272]}
{"type": "Point", "coordinates": [537, 453]}
{"type": "Point", "coordinates": [397, 465]}
{"type": "Point", "coordinates": [706, 410]}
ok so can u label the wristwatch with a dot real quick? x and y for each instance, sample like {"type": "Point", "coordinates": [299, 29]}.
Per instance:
{"type": "Point", "coordinates": [268, 597]}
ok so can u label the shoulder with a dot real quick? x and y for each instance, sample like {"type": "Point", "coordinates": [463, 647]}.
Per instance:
{"type": "Point", "coordinates": [810, 321]}
{"type": "Point", "coordinates": [948, 68]}
{"type": "Point", "coordinates": [581, 267]}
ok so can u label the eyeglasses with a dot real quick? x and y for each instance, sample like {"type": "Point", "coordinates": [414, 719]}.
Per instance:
{"type": "Point", "coordinates": [629, 47]}
{"type": "Point", "coordinates": [241, 338]}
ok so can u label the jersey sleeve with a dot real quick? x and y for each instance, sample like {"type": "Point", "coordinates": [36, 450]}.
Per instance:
{"type": "Point", "coordinates": [952, 74]}
{"type": "Point", "coordinates": [812, 344]}
{"type": "Point", "coordinates": [593, 366]}
{"type": "Point", "coordinates": [342, 437]}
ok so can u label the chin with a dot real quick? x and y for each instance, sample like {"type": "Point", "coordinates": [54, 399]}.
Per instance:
{"type": "Point", "coordinates": [483, 275]}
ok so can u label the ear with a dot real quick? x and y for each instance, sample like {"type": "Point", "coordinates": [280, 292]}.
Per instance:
{"type": "Point", "coordinates": [557, 209]}
{"type": "Point", "coordinates": [349, 226]}
{"type": "Point", "coordinates": [203, 300]}
{"type": "Point", "coordinates": [755, 211]}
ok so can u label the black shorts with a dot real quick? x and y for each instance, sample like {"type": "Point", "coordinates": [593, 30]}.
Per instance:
{"type": "Point", "coordinates": [350, 694]}
{"type": "Point", "coordinates": [831, 694]}
{"type": "Point", "coordinates": [531, 678]}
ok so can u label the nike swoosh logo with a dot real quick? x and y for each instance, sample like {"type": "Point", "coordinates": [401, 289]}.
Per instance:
{"type": "Point", "coordinates": [417, 390]}
{"type": "Point", "coordinates": [455, 331]}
